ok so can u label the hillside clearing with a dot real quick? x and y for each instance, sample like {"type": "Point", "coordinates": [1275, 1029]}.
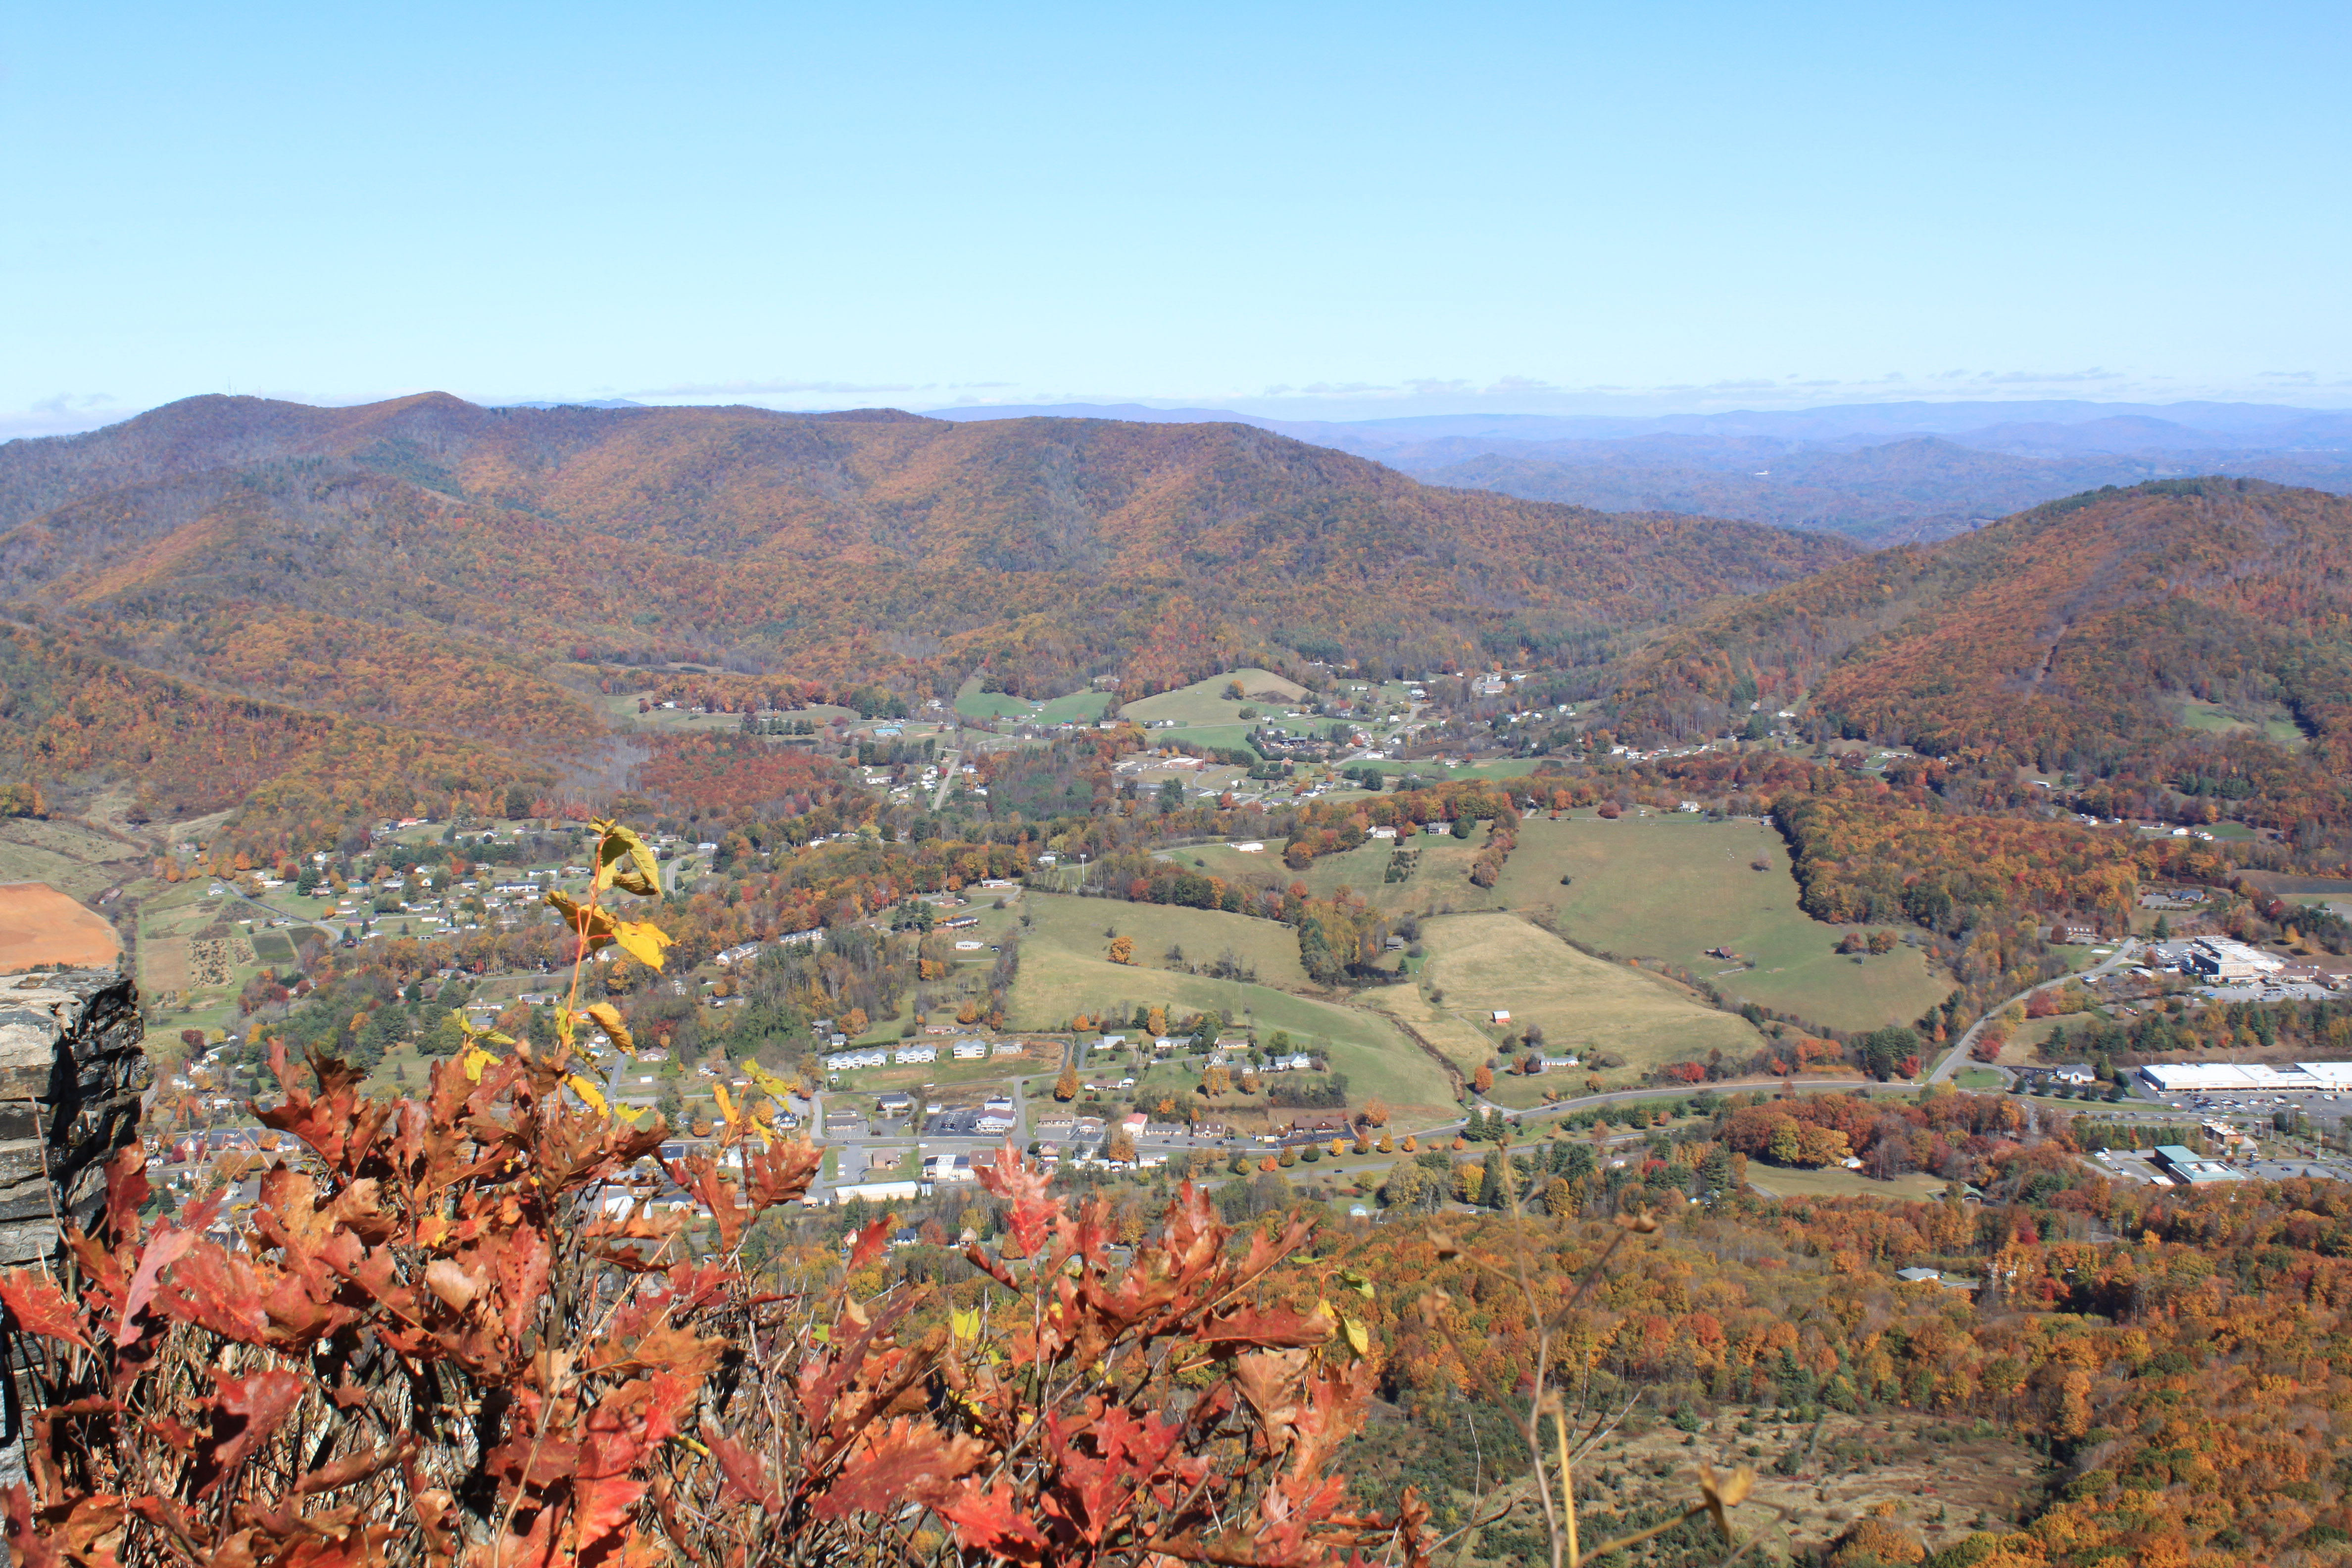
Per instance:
{"type": "Point", "coordinates": [1064, 972]}
{"type": "Point", "coordinates": [1480, 962]}
{"type": "Point", "coordinates": [1205, 701]}
{"type": "Point", "coordinates": [1670, 887]}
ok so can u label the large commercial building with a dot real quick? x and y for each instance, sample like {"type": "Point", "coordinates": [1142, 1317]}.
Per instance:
{"type": "Point", "coordinates": [2189, 1168]}
{"type": "Point", "coordinates": [2219, 958]}
{"type": "Point", "coordinates": [2230, 1078]}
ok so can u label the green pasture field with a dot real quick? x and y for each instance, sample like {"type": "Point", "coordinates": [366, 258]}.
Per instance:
{"type": "Point", "coordinates": [1774, 1180]}
{"type": "Point", "coordinates": [1979, 1077]}
{"type": "Point", "coordinates": [1074, 707]}
{"type": "Point", "coordinates": [1064, 973]}
{"type": "Point", "coordinates": [1233, 865]}
{"type": "Point", "coordinates": [2272, 722]}
{"type": "Point", "coordinates": [77, 861]}
{"type": "Point", "coordinates": [973, 703]}
{"type": "Point", "coordinates": [1204, 703]}
{"type": "Point", "coordinates": [1672, 886]}
{"type": "Point", "coordinates": [1074, 926]}
{"type": "Point", "coordinates": [1512, 768]}
{"type": "Point", "coordinates": [1484, 961]}
{"type": "Point", "coordinates": [1440, 882]}
{"type": "Point", "coordinates": [1222, 737]}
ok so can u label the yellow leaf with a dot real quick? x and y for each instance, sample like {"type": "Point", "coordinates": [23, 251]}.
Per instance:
{"type": "Point", "coordinates": [587, 1092]}
{"type": "Point", "coordinates": [767, 1079]}
{"type": "Point", "coordinates": [726, 1106]}
{"type": "Point", "coordinates": [608, 1018]}
{"type": "Point", "coordinates": [1358, 1339]}
{"type": "Point", "coordinates": [963, 1323]}
{"type": "Point", "coordinates": [643, 940]}
{"type": "Point", "coordinates": [475, 1061]}
{"type": "Point", "coordinates": [596, 927]}
{"type": "Point", "coordinates": [624, 861]}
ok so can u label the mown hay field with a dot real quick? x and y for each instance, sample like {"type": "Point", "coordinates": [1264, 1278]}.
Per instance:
{"type": "Point", "coordinates": [1479, 962]}
{"type": "Point", "coordinates": [1673, 886]}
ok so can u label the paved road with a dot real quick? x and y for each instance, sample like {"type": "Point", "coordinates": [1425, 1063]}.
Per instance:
{"type": "Point", "coordinates": [948, 763]}
{"type": "Point", "coordinates": [2125, 954]}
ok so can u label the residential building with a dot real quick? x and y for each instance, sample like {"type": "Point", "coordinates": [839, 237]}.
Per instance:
{"type": "Point", "coordinates": [909, 1054]}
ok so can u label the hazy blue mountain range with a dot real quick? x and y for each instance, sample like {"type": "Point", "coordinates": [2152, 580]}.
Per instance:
{"type": "Point", "coordinates": [1881, 473]}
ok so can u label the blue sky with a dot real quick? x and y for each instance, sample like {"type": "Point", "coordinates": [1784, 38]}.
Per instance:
{"type": "Point", "coordinates": [1318, 210]}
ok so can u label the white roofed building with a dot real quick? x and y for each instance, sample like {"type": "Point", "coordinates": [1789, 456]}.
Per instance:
{"type": "Point", "coordinates": [2176, 1077]}
{"type": "Point", "coordinates": [2220, 958]}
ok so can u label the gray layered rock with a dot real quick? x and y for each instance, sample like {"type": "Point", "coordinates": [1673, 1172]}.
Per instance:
{"type": "Point", "coordinates": [72, 1073]}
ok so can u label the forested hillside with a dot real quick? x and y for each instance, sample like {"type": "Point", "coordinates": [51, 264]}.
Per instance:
{"type": "Point", "coordinates": [2184, 636]}
{"type": "Point", "coordinates": [458, 572]}
{"type": "Point", "coordinates": [1174, 536]}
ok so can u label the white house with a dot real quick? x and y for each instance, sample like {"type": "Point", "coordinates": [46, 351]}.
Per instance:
{"type": "Point", "coordinates": [849, 1061]}
{"type": "Point", "coordinates": [971, 1051]}
{"type": "Point", "coordinates": [909, 1054]}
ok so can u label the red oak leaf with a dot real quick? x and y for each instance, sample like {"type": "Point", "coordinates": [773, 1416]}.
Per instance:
{"type": "Point", "coordinates": [245, 1411]}
{"type": "Point", "coordinates": [906, 1460]}
{"type": "Point", "coordinates": [39, 1307]}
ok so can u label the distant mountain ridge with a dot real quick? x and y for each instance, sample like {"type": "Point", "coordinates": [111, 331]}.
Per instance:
{"type": "Point", "coordinates": [1806, 469]}
{"type": "Point", "coordinates": [467, 573]}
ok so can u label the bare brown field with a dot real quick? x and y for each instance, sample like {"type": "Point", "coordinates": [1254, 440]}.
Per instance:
{"type": "Point", "coordinates": [40, 925]}
{"type": "Point", "coordinates": [164, 964]}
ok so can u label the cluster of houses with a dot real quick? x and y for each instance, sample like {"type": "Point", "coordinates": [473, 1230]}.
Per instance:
{"type": "Point", "coordinates": [914, 1053]}
{"type": "Point", "coordinates": [745, 953]}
